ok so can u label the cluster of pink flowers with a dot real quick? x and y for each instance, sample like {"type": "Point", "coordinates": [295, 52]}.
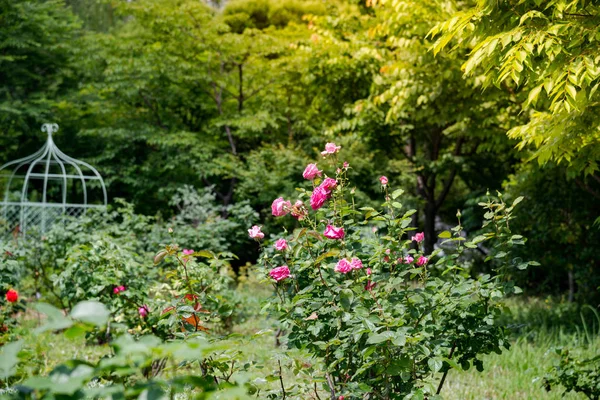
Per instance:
{"type": "Point", "coordinates": [344, 266]}
{"type": "Point", "coordinates": [280, 273]}
{"type": "Point", "coordinates": [332, 232]}
{"type": "Point", "coordinates": [119, 289]}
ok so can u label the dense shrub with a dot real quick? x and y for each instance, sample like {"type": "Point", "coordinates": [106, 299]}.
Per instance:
{"type": "Point", "coordinates": [356, 290]}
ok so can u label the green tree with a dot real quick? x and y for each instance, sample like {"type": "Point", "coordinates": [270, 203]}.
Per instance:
{"type": "Point", "coordinates": [420, 113]}
{"type": "Point", "coordinates": [180, 75]}
{"type": "Point", "coordinates": [546, 51]}
{"type": "Point", "coordinates": [35, 69]}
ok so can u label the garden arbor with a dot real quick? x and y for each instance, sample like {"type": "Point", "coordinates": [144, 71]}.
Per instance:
{"type": "Point", "coordinates": [45, 187]}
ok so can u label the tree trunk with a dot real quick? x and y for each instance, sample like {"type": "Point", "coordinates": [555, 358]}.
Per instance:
{"type": "Point", "coordinates": [430, 238]}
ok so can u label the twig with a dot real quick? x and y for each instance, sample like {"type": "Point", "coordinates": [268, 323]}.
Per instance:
{"type": "Point", "coordinates": [439, 389]}
{"type": "Point", "coordinates": [281, 380]}
{"type": "Point", "coordinates": [317, 393]}
{"type": "Point", "coordinates": [331, 387]}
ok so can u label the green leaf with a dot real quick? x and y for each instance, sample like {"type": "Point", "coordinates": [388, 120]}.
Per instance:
{"type": "Point", "coordinates": [330, 253]}
{"type": "Point", "coordinates": [9, 359]}
{"type": "Point", "coordinates": [397, 193]}
{"type": "Point", "coordinates": [92, 312]}
{"type": "Point", "coordinates": [346, 298]}
{"type": "Point", "coordinates": [435, 364]}
{"type": "Point", "coordinates": [517, 200]}
{"type": "Point", "coordinates": [445, 235]}
{"type": "Point", "coordinates": [380, 337]}
{"type": "Point", "coordinates": [56, 320]}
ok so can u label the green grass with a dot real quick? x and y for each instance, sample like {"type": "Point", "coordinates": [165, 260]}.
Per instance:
{"type": "Point", "coordinates": [539, 326]}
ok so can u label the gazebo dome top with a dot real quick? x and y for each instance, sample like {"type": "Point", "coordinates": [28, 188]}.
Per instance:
{"type": "Point", "coordinates": [45, 186]}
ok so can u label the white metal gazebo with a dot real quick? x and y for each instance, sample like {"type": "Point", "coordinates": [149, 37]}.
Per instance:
{"type": "Point", "coordinates": [46, 186]}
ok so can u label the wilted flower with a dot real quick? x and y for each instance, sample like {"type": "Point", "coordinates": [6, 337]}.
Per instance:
{"type": "Point", "coordinates": [298, 211]}
{"type": "Point", "coordinates": [370, 285]}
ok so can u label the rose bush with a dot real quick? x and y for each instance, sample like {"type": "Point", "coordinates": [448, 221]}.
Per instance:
{"type": "Point", "coordinates": [355, 289]}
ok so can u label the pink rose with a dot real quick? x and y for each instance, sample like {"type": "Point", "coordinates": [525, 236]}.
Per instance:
{"type": "Point", "coordinates": [346, 165]}
{"type": "Point", "coordinates": [356, 263]}
{"type": "Point", "coordinates": [384, 180]}
{"type": "Point", "coordinates": [408, 259]}
{"type": "Point", "coordinates": [343, 266]}
{"type": "Point", "coordinates": [418, 237]}
{"type": "Point", "coordinates": [399, 260]}
{"type": "Point", "coordinates": [311, 172]}
{"type": "Point", "coordinates": [280, 273]}
{"type": "Point", "coordinates": [329, 184]}
{"type": "Point", "coordinates": [319, 197]}
{"type": "Point", "coordinates": [422, 261]}
{"type": "Point", "coordinates": [143, 311]}
{"type": "Point", "coordinates": [255, 232]}
{"type": "Point", "coordinates": [281, 244]}
{"type": "Point", "coordinates": [332, 232]}
{"type": "Point", "coordinates": [187, 252]}
{"type": "Point", "coordinates": [387, 251]}
{"type": "Point", "coordinates": [369, 272]}
{"type": "Point", "coordinates": [280, 207]}
{"type": "Point", "coordinates": [331, 148]}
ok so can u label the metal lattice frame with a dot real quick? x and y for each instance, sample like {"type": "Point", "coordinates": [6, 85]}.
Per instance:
{"type": "Point", "coordinates": [19, 216]}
